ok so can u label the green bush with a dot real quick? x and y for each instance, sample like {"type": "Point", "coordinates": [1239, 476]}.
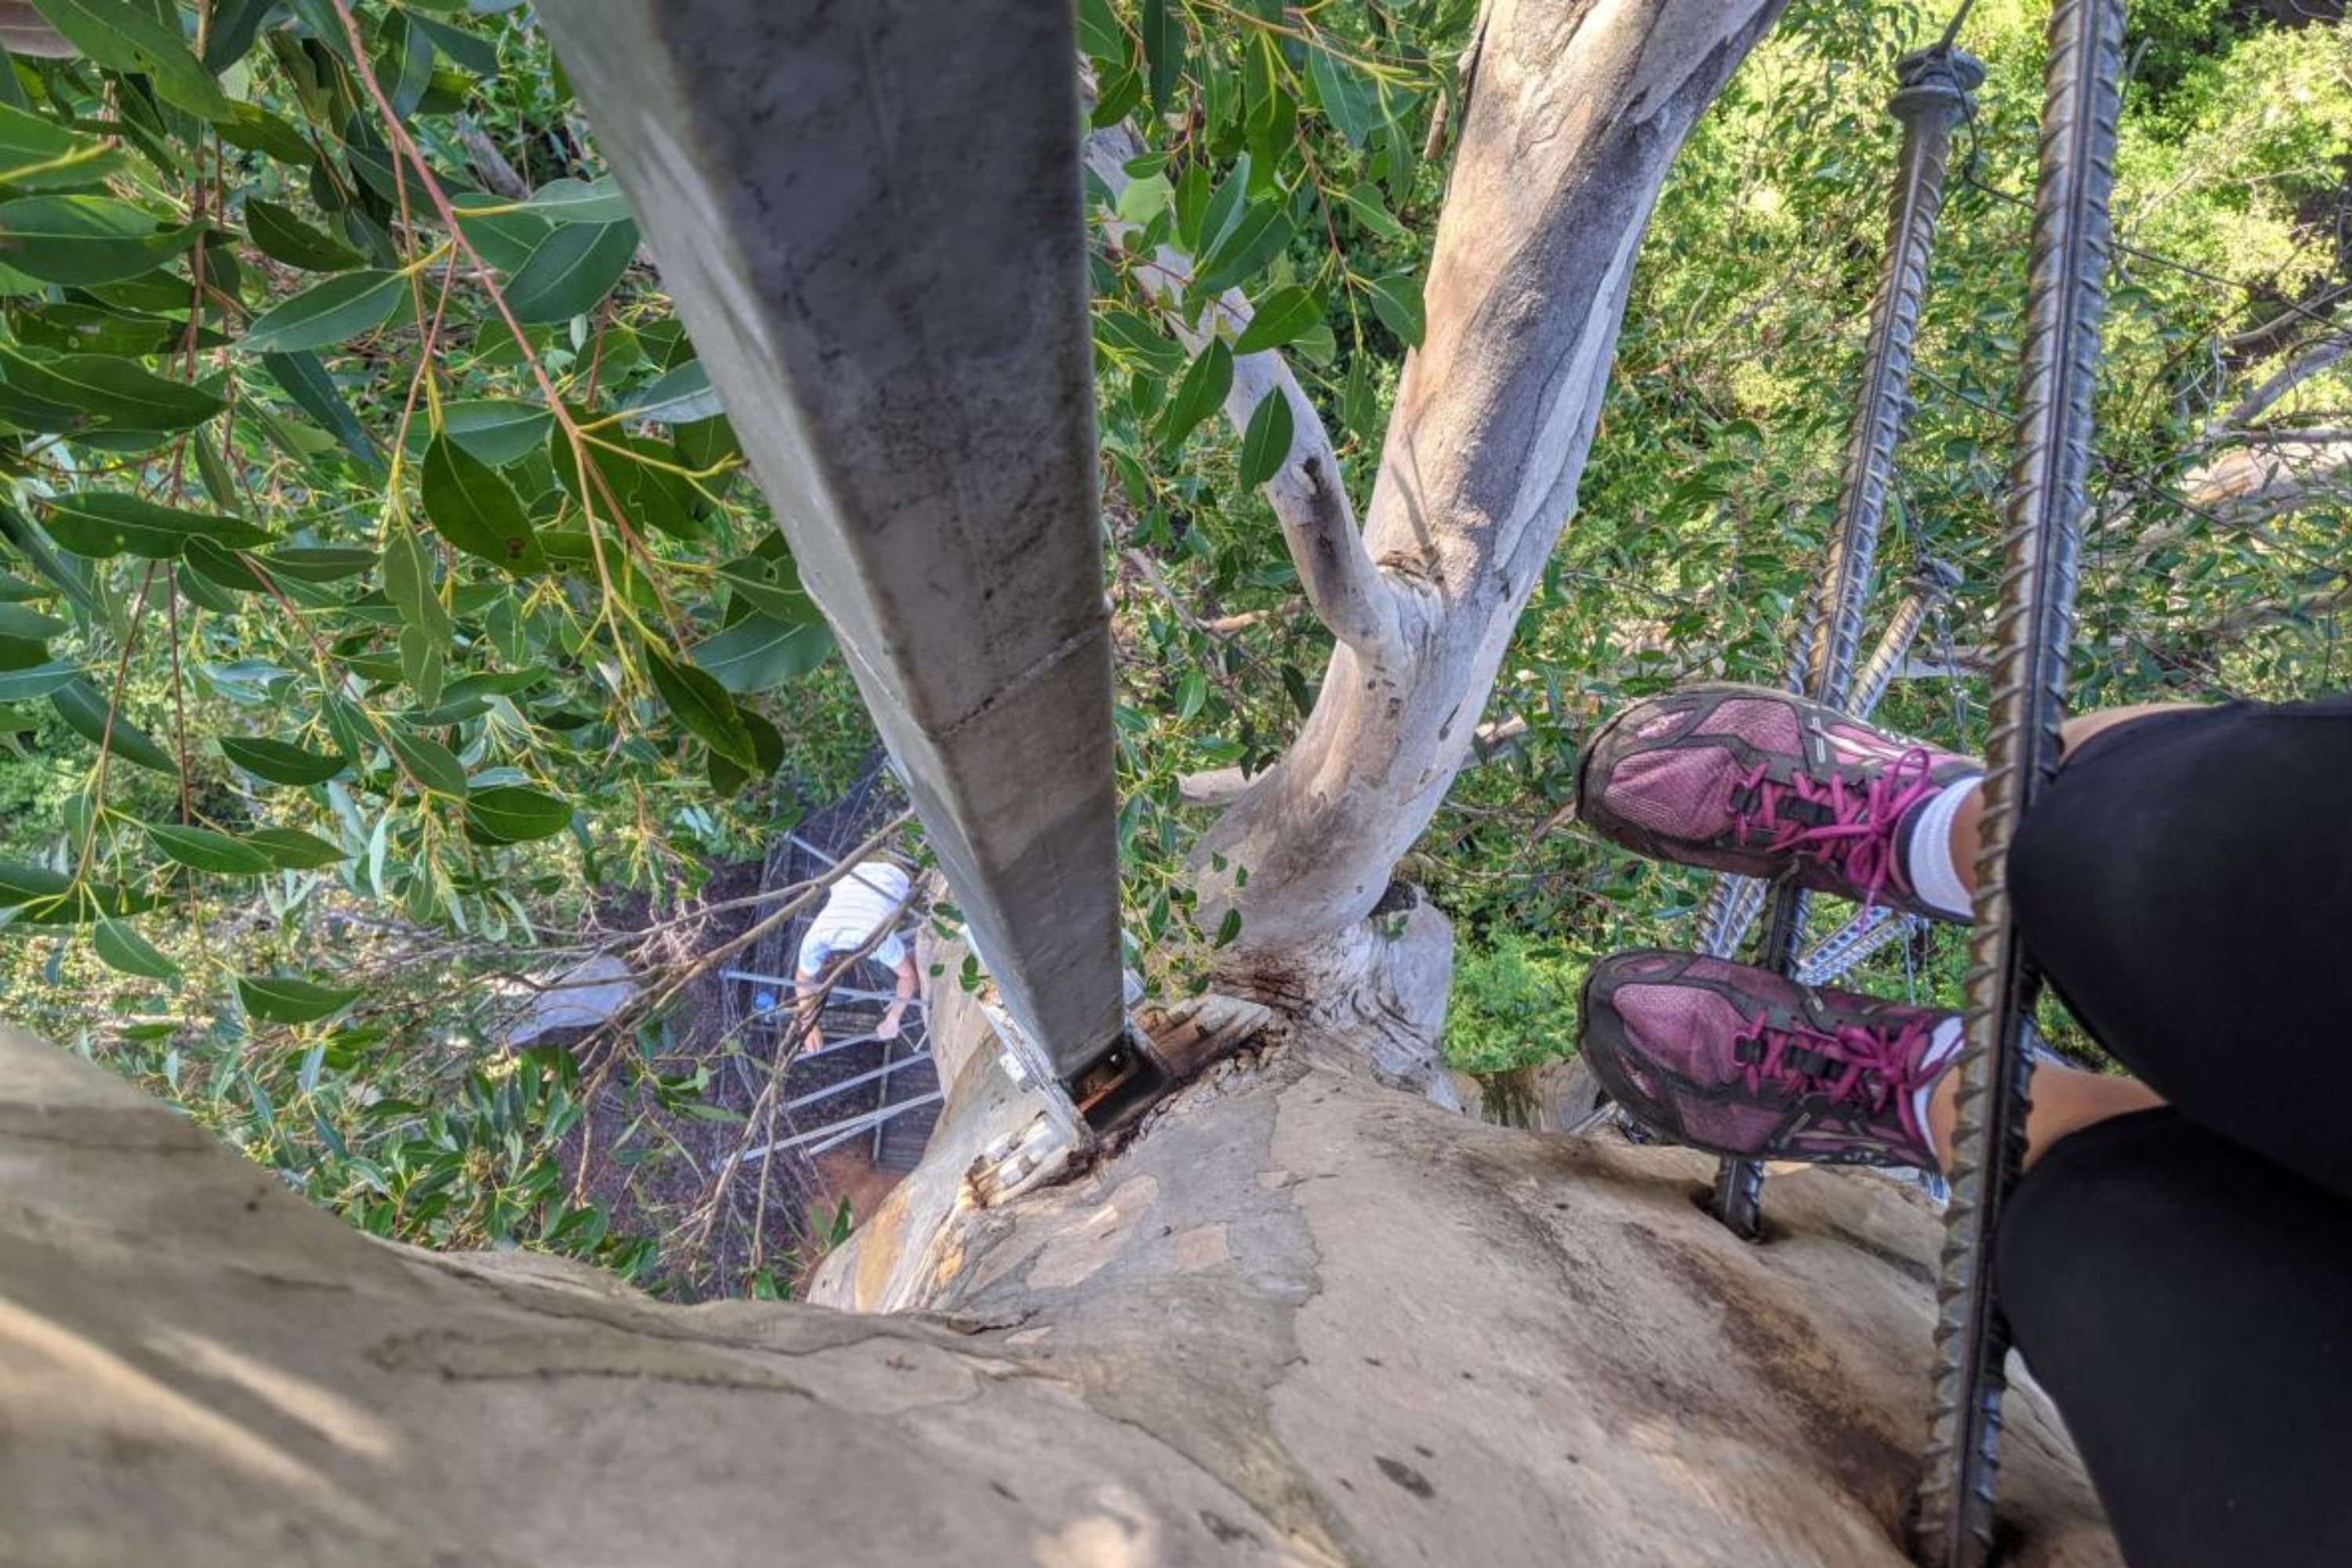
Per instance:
{"type": "Point", "coordinates": [1514, 1005]}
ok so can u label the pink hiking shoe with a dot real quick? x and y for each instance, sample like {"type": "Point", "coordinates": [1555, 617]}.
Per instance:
{"type": "Point", "coordinates": [1743, 1063]}
{"type": "Point", "coordinates": [1739, 778]}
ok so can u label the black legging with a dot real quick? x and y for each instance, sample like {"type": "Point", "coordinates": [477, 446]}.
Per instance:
{"type": "Point", "coordinates": [2180, 1279]}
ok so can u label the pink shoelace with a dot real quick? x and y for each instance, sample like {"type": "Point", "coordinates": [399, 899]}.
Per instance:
{"type": "Point", "coordinates": [1876, 1069]}
{"type": "Point", "coordinates": [1857, 842]}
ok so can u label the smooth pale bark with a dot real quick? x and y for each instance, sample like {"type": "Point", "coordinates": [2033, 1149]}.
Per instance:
{"type": "Point", "coordinates": [1575, 113]}
{"type": "Point", "coordinates": [1305, 1320]}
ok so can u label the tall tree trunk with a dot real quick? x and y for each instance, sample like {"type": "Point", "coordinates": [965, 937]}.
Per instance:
{"type": "Point", "coordinates": [1575, 111]}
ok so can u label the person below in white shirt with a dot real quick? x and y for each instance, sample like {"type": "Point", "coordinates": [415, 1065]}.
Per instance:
{"type": "Point", "coordinates": [867, 900]}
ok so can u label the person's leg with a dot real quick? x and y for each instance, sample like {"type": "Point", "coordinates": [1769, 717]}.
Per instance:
{"type": "Point", "coordinates": [2185, 884]}
{"type": "Point", "coordinates": [2189, 1305]}
{"type": "Point", "coordinates": [1967, 815]}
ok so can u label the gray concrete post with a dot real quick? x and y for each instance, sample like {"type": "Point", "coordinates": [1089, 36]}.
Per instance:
{"type": "Point", "coordinates": [869, 216]}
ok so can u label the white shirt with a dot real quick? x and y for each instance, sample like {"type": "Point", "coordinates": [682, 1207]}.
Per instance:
{"type": "Point", "coordinates": [863, 902]}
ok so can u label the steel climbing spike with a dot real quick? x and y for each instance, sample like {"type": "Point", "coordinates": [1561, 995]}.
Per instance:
{"type": "Point", "coordinates": [1932, 97]}
{"type": "Point", "coordinates": [2066, 297]}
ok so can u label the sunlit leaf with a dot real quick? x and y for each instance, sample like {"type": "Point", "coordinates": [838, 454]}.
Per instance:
{"type": "Point", "coordinates": [283, 999]}
{"type": "Point", "coordinates": [1280, 317]}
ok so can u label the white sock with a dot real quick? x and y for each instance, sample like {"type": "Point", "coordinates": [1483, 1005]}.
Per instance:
{"type": "Point", "coordinates": [1943, 1045]}
{"type": "Point", "coordinates": [1928, 857]}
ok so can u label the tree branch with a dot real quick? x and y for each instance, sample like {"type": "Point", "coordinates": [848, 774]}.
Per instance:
{"type": "Point", "coordinates": [491, 165]}
{"type": "Point", "coordinates": [1348, 591]}
{"type": "Point", "coordinates": [2299, 369]}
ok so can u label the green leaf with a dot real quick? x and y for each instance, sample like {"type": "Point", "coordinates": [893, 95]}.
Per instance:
{"type": "Point", "coordinates": [100, 524]}
{"type": "Point", "coordinates": [327, 314]}
{"type": "Point", "coordinates": [757, 653]}
{"type": "Point", "coordinates": [123, 948]}
{"type": "Point", "coordinates": [580, 201]}
{"type": "Point", "coordinates": [1200, 395]}
{"type": "Point", "coordinates": [1163, 48]}
{"type": "Point", "coordinates": [408, 580]}
{"type": "Point", "coordinates": [35, 153]}
{"type": "Point", "coordinates": [42, 897]}
{"type": "Point", "coordinates": [306, 381]}
{"type": "Point", "coordinates": [128, 36]}
{"type": "Point", "coordinates": [511, 814]}
{"type": "Point", "coordinates": [279, 762]}
{"type": "Point", "coordinates": [430, 763]}
{"type": "Point", "coordinates": [281, 999]}
{"type": "Point", "coordinates": [1260, 235]}
{"type": "Point", "coordinates": [235, 24]}
{"type": "Point", "coordinates": [1364, 200]}
{"type": "Point", "coordinates": [678, 397]}
{"type": "Point", "coordinates": [1279, 318]}
{"type": "Point", "coordinates": [294, 850]}
{"type": "Point", "coordinates": [1192, 692]}
{"type": "Point", "coordinates": [496, 430]}
{"type": "Point", "coordinates": [99, 390]}
{"type": "Point", "coordinates": [15, 621]}
{"type": "Point", "coordinates": [771, 585]}
{"type": "Point", "coordinates": [320, 563]}
{"type": "Point", "coordinates": [1137, 336]}
{"type": "Point", "coordinates": [83, 240]}
{"type": "Point", "coordinates": [1266, 445]}
{"type": "Point", "coordinates": [1396, 299]}
{"type": "Point", "coordinates": [635, 472]}
{"type": "Point", "coordinates": [201, 850]}
{"type": "Point", "coordinates": [282, 236]}
{"type": "Point", "coordinates": [500, 232]}
{"type": "Point", "coordinates": [466, 51]}
{"type": "Point", "coordinates": [24, 685]}
{"type": "Point", "coordinates": [1100, 34]}
{"type": "Point", "coordinates": [477, 510]}
{"type": "Point", "coordinates": [256, 129]}
{"type": "Point", "coordinates": [698, 702]}
{"type": "Point", "coordinates": [78, 703]}
{"type": "Point", "coordinates": [569, 272]}
{"type": "Point", "coordinates": [1349, 99]}
{"type": "Point", "coordinates": [72, 328]}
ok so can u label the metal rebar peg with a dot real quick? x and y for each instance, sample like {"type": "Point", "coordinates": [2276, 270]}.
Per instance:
{"type": "Point", "coordinates": [2065, 298]}
{"type": "Point", "coordinates": [1932, 97]}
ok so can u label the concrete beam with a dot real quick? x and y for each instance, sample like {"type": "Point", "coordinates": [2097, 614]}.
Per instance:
{"type": "Point", "coordinates": [869, 216]}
